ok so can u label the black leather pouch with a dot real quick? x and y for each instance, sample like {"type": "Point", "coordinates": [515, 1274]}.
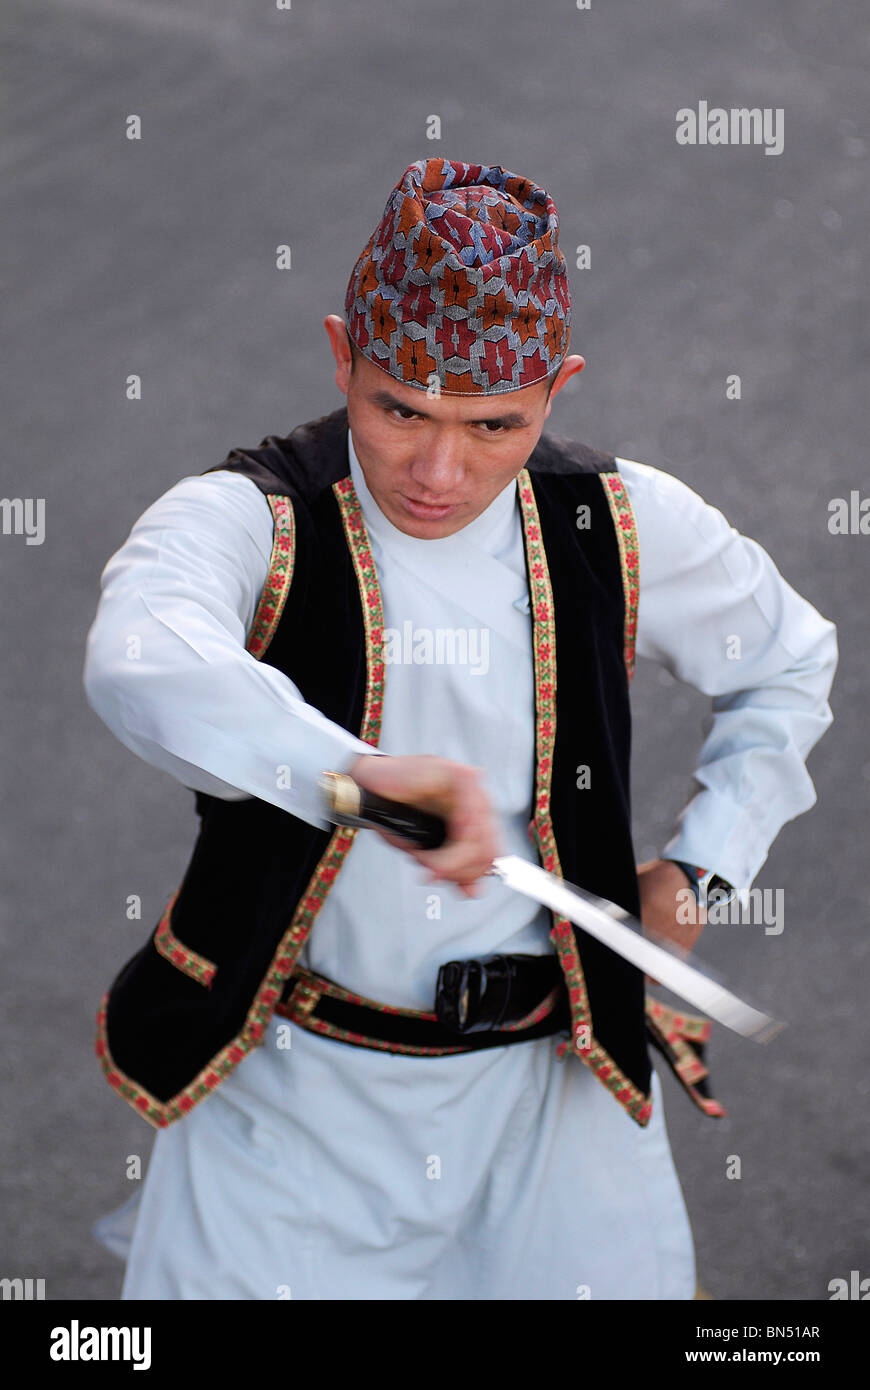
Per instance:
{"type": "Point", "coordinates": [475, 996]}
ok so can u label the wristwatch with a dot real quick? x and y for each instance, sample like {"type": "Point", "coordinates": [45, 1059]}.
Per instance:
{"type": "Point", "coordinates": [705, 883]}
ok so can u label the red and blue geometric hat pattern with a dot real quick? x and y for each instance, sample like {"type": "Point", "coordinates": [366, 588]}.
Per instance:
{"type": "Point", "coordinates": [462, 282]}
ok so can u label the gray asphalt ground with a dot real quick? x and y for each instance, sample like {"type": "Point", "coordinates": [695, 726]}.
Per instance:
{"type": "Point", "coordinates": [157, 257]}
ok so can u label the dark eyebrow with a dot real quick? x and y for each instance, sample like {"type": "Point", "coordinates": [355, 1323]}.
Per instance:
{"type": "Point", "coordinates": [511, 417]}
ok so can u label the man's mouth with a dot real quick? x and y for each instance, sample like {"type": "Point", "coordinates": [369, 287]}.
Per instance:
{"type": "Point", "coordinates": [426, 511]}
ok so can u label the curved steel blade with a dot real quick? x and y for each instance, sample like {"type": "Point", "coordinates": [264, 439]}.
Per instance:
{"type": "Point", "coordinates": [626, 935]}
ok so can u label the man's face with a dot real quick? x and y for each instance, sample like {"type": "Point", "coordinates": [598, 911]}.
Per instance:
{"type": "Point", "coordinates": [434, 464]}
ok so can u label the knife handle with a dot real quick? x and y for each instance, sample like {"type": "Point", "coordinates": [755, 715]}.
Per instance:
{"type": "Point", "coordinates": [350, 804]}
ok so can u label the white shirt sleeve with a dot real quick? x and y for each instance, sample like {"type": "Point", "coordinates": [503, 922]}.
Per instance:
{"type": "Point", "coordinates": [715, 612]}
{"type": "Point", "coordinates": [166, 667]}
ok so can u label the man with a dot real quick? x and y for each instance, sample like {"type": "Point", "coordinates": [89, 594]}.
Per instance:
{"type": "Point", "coordinates": [427, 593]}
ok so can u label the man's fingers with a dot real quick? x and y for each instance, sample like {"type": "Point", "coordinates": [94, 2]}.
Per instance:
{"type": "Point", "coordinates": [472, 837]}
{"type": "Point", "coordinates": [452, 791]}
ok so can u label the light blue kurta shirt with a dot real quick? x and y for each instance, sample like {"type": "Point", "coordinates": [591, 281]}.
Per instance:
{"type": "Point", "coordinates": [338, 1172]}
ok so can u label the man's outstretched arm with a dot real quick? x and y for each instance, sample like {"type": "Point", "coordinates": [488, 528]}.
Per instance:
{"type": "Point", "coordinates": [166, 669]}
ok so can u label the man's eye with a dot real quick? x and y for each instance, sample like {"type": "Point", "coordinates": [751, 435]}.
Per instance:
{"type": "Point", "coordinates": [493, 427]}
{"type": "Point", "coordinates": [404, 412]}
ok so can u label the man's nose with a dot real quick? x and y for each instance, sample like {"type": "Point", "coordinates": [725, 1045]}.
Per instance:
{"type": "Point", "coordinates": [440, 465]}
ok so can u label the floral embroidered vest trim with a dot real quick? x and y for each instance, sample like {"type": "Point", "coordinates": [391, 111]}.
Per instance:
{"type": "Point", "coordinates": [629, 559]}
{"type": "Point", "coordinates": [277, 586]}
{"type": "Point", "coordinates": [562, 933]}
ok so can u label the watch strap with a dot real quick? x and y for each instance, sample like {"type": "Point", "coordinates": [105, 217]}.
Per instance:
{"type": "Point", "coordinates": [705, 882]}
{"type": "Point", "coordinates": [693, 874]}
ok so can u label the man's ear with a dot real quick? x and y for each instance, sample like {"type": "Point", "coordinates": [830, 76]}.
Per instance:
{"type": "Point", "coordinates": [336, 331]}
{"type": "Point", "coordinates": [571, 365]}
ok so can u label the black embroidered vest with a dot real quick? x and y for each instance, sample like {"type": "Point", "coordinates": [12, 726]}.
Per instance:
{"type": "Point", "coordinates": [198, 996]}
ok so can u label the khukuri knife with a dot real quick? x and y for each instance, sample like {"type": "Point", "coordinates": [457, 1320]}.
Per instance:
{"type": "Point", "coordinates": [347, 803]}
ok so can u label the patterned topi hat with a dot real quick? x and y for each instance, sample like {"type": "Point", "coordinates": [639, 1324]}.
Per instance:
{"type": "Point", "coordinates": [462, 286]}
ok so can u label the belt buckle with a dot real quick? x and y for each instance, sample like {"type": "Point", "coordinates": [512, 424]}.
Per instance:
{"type": "Point", "coordinates": [472, 996]}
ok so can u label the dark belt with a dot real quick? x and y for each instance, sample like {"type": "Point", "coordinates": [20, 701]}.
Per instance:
{"type": "Point", "coordinates": [478, 1004]}
{"type": "Point", "coordinates": [486, 1003]}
